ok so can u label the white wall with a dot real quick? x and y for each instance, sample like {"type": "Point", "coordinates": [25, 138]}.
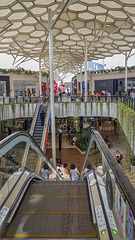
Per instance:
{"type": "Point", "coordinates": [9, 111]}
{"type": "Point", "coordinates": [86, 109]}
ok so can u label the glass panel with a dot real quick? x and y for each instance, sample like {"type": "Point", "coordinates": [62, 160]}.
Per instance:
{"type": "Point", "coordinates": [117, 209]}
{"type": "Point", "coordinates": [8, 183]}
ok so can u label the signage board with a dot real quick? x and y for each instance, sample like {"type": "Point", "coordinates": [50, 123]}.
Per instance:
{"type": "Point", "coordinates": [120, 208]}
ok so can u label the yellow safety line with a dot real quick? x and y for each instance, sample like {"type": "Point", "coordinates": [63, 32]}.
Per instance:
{"type": "Point", "coordinates": [23, 212]}
{"type": "Point", "coordinates": [51, 236]}
{"type": "Point", "coordinates": [57, 196]}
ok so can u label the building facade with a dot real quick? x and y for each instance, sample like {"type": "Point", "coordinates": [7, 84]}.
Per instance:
{"type": "Point", "coordinates": [22, 84]}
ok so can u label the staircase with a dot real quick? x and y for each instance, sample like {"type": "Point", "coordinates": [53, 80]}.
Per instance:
{"type": "Point", "coordinates": [37, 134]}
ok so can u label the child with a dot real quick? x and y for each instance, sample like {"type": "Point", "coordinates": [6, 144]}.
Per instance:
{"type": "Point", "coordinates": [74, 172]}
{"type": "Point", "coordinates": [45, 172]}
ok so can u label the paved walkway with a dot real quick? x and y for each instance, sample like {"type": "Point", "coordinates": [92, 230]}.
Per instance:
{"type": "Point", "coordinates": [69, 154]}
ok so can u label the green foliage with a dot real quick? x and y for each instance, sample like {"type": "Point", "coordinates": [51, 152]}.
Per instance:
{"type": "Point", "coordinates": [82, 142]}
{"type": "Point", "coordinates": [77, 95]}
{"type": "Point", "coordinates": [17, 71]}
{"type": "Point", "coordinates": [126, 123]}
{"type": "Point", "coordinates": [46, 74]}
{"type": "Point", "coordinates": [132, 160]}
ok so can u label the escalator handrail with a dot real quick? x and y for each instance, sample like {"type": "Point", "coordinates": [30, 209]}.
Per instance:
{"type": "Point", "coordinates": [123, 181]}
{"type": "Point", "coordinates": [23, 134]}
{"type": "Point", "coordinates": [18, 179]}
{"type": "Point", "coordinates": [18, 196]}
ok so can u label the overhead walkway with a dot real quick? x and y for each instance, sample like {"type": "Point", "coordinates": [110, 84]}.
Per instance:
{"type": "Point", "coordinates": [92, 209]}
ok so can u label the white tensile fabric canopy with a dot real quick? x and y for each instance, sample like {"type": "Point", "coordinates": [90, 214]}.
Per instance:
{"type": "Point", "coordinates": [108, 25]}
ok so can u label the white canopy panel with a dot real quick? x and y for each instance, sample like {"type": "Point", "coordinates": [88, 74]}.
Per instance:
{"type": "Point", "coordinates": [108, 25]}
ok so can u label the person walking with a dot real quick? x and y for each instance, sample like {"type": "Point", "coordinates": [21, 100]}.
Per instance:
{"type": "Point", "coordinates": [42, 117]}
{"type": "Point", "coordinates": [60, 138]}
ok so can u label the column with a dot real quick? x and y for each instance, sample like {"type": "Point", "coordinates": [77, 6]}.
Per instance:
{"type": "Point", "coordinates": [52, 88]}
{"type": "Point", "coordinates": [81, 78]}
{"type": "Point", "coordinates": [126, 72]}
{"type": "Point", "coordinates": [86, 70]}
{"type": "Point", "coordinates": [40, 90]}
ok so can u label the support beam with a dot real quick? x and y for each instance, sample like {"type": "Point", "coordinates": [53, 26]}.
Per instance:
{"type": "Point", "coordinates": [86, 70]}
{"type": "Point", "coordinates": [62, 10]}
{"type": "Point", "coordinates": [31, 14]}
{"type": "Point", "coordinates": [52, 88]}
{"type": "Point", "coordinates": [126, 72]}
{"type": "Point", "coordinates": [40, 92]}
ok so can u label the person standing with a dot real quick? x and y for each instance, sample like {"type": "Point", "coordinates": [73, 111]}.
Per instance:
{"type": "Point", "coordinates": [9, 131]}
{"type": "Point", "coordinates": [45, 172]}
{"type": "Point", "coordinates": [133, 94]}
{"type": "Point", "coordinates": [42, 117]}
{"type": "Point", "coordinates": [60, 138]}
{"type": "Point", "coordinates": [74, 172]}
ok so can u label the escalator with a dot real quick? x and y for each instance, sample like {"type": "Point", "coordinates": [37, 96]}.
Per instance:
{"type": "Point", "coordinates": [53, 210]}
{"type": "Point", "coordinates": [38, 130]}
{"type": "Point", "coordinates": [37, 209]}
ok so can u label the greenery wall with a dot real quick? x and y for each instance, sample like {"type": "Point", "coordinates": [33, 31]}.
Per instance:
{"type": "Point", "coordinates": [126, 117]}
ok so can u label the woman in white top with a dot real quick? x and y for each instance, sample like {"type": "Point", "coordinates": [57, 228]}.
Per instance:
{"type": "Point", "coordinates": [74, 172]}
{"type": "Point", "coordinates": [45, 172]}
{"type": "Point", "coordinates": [65, 173]}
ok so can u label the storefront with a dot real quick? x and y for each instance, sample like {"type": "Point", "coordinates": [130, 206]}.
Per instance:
{"type": "Point", "coordinates": [4, 86]}
{"type": "Point", "coordinates": [22, 88]}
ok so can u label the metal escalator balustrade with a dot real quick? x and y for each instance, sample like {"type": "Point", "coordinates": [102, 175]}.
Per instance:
{"type": "Point", "coordinates": [117, 193]}
{"type": "Point", "coordinates": [20, 139]}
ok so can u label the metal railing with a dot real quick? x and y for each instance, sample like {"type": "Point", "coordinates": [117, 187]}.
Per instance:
{"type": "Point", "coordinates": [20, 99]}
{"type": "Point", "coordinates": [130, 102]}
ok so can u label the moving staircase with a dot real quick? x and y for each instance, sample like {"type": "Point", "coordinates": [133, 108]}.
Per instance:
{"type": "Point", "coordinates": [53, 209]}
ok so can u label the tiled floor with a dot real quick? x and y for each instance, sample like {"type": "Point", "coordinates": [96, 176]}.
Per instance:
{"type": "Point", "coordinates": [69, 154]}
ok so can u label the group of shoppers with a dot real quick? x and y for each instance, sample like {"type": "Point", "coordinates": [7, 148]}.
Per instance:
{"type": "Point", "coordinates": [63, 171]}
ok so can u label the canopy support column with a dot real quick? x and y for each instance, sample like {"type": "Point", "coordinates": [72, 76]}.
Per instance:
{"type": "Point", "coordinates": [126, 58]}
{"type": "Point", "coordinates": [86, 70]}
{"type": "Point", "coordinates": [52, 88]}
{"type": "Point", "coordinates": [81, 79]}
{"type": "Point", "coordinates": [40, 92]}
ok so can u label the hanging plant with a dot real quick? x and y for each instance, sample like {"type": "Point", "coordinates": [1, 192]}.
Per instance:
{"type": "Point", "coordinates": [28, 108]}
{"type": "Point", "coordinates": [101, 108]}
{"type": "Point", "coordinates": [13, 107]}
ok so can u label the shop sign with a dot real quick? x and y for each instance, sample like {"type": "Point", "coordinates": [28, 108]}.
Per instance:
{"type": "Point", "coordinates": [130, 224]}
{"type": "Point", "coordinates": [92, 118]}
{"type": "Point", "coordinates": [120, 207]}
